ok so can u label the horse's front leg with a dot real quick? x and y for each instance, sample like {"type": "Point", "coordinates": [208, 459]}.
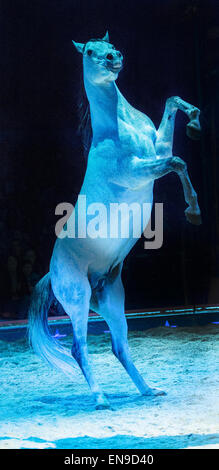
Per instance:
{"type": "Point", "coordinates": [192, 212]}
{"type": "Point", "coordinates": [165, 132]}
{"type": "Point", "coordinates": [153, 169]}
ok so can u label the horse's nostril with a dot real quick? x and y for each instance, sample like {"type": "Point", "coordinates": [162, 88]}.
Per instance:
{"type": "Point", "coordinates": [109, 56]}
{"type": "Point", "coordinates": [119, 54]}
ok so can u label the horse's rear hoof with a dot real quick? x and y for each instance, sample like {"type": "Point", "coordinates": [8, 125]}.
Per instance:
{"type": "Point", "coordinates": [158, 393]}
{"type": "Point", "coordinates": [193, 131]}
{"type": "Point", "coordinates": [192, 218]}
{"type": "Point", "coordinates": [103, 407]}
{"type": "Point", "coordinates": [154, 392]}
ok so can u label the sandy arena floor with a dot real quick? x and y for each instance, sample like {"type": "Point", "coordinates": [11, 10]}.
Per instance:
{"type": "Point", "coordinates": [41, 408]}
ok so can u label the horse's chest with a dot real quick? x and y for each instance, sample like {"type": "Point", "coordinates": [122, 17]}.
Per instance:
{"type": "Point", "coordinates": [139, 142]}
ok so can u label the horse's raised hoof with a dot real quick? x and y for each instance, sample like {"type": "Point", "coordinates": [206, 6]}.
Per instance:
{"type": "Point", "coordinates": [193, 131]}
{"type": "Point", "coordinates": [154, 392]}
{"type": "Point", "coordinates": [193, 218]}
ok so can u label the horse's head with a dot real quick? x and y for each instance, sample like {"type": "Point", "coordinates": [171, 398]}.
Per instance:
{"type": "Point", "coordinates": [102, 61]}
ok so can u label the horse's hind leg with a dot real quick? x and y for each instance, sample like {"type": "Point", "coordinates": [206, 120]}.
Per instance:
{"type": "Point", "coordinates": [109, 302]}
{"type": "Point", "coordinates": [165, 132]}
{"type": "Point", "coordinates": [75, 298]}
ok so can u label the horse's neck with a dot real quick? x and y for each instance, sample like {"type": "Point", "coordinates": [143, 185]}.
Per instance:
{"type": "Point", "coordinates": [106, 107]}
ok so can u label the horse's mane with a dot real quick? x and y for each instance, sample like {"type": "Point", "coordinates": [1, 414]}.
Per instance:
{"type": "Point", "coordinates": [84, 128]}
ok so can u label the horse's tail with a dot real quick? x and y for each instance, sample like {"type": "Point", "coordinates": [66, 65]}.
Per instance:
{"type": "Point", "coordinates": [43, 343]}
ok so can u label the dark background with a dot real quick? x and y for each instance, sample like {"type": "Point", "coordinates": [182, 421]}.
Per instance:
{"type": "Point", "coordinates": [171, 48]}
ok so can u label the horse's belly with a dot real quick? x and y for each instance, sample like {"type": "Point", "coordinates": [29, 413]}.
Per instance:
{"type": "Point", "coordinates": [102, 247]}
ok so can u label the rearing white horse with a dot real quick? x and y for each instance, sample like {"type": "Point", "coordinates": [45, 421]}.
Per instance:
{"type": "Point", "coordinates": [127, 154]}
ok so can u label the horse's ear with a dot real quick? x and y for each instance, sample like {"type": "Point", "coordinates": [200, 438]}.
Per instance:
{"type": "Point", "coordinates": [106, 37]}
{"type": "Point", "coordinates": [79, 46]}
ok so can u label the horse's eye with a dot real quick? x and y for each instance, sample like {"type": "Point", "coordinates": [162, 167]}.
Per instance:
{"type": "Point", "coordinates": [89, 52]}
